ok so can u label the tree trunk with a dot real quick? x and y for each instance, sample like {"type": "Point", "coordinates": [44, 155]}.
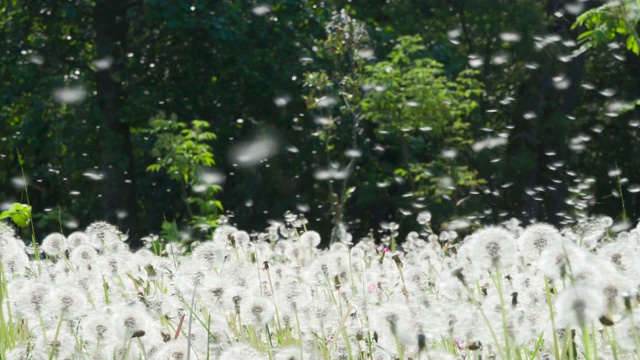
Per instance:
{"type": "Point", "coordinates": [534, 139]}
{"type": "Point", "coordinates": [118, 196]}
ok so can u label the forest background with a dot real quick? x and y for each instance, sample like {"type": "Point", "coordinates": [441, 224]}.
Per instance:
{"type": "Point", "coordinates": [160, 116]}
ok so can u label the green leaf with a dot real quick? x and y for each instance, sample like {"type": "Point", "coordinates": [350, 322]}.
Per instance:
{"type": "Point", "coordinates": [154, 167]}
{"type": "Point", "coordinates": [19, 214]}
{"type": "Point", "coordinates": [632, 45]}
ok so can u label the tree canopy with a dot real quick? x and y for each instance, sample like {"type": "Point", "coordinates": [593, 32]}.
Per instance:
{"type": "Point", "coordinates": [155, 114]}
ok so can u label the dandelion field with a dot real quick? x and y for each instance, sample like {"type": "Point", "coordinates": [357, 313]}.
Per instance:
{"type": "Point", "coordinates": [501, 292]}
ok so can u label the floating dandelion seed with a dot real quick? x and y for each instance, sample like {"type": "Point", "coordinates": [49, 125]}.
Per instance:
{"type": "Point", "coordinates": [510, 37]}
{"type": "Point", "coordinates": [281, 101]}
{"type": "Point", "coordinates": [326, 101]}
{"type": "Point", "coordinates": [206, 178]}
{"type": "Point", "coordinates": [365, 54]}
{"type": "Point", "coordinates": [475, 61]}
{"type": "Point", "coordinates": [261, 10]}
{"type": "Point", "coordinates": [19, 182]}
{"type": "Point", "coordinates": [449, 153]}
{"type": "Point", "coordinates": [489, 143]}
{"type": "Point", "coordinates": [37, 59]}
{"type": "Point", "coordinates": [69, 95]}
{"type": "Point", "coordinates": [103, 64]}
{"type": "Point", "coordinates": [93, 175]}
{"type": "Point", "coordinates": [251, 153]}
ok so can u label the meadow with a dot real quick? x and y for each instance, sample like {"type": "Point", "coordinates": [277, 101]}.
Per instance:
{"type": "Point", "coordinates": [500, 292]}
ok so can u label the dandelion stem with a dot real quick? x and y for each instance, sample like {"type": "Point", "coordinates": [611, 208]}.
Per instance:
{"type": "Point", "coordinates": [624, 209]}
{"type": "Point", "coordinates": [612, 341]}
{"type": "Point", "coordinates": [54, 343]}
{"type": "Point", "coordinates": [144, 353]}
{"type": "Point", "coordinates": [7, 328]}
{"type": "Point", "coordinates": [586, 342]}
{"type": "Point", "coordinates": [340, 326]}
{"type": "Point", "coordinates": [497, 281]}
{"type": "Point", "coordinates": [273, 294]}
{"type": "Point", "coordinates": [634, 330]}
{"type": "Point", "coordinates": [486, 320]}
{"type": "Point", "coordinates": [552, 318]}
{"type": "Point", "coordinates": [193, 300]}
{"type": "Point", "coordinates": [295, 310]}
{"type": "Point", "coordinates": [595, 342]}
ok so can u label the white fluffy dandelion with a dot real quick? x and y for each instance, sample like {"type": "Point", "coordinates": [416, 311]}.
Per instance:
{"type": "Point", "coordinates": [99, 328]}
{"type": "Point", "coordinates": [54, 244]}
{"type": "Point", "coordinates": [310, 239]}
{"type": "Point", "coordinates": [102, 234]}
{"type": "Point", "coordinates": [76, 239]}
{"type": "Point", "coordinates": [257, 310]}
{"type": "Point", "coordinates": [579, 305]}
{"type": "Point", "coordinates": [492, 247]}
{"type": "Point", "coordinates": [69, 301]}
{"type": "Point", "coordinates": [83, 256]}
{"type": "Point", "coordinates": [535, 238]}
{"type": "Point", "coordinates": [558, 260]}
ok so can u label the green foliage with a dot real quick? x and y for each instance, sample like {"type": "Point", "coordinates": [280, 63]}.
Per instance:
{"type": "Point", "coordinates": [180, 150]}
{"type": "Point", "coordinates": [20, 214]}
{"type": "Point", "coordinates": [412, 93]}
{"type": "Point", "coordinates": [412, 98]}
{"type": "Point", "coordinates": [408, 97]}
{"type": "Point", "coordinates": [606, 22]}
{"type": "Point", "coordinates": [380, 134]}
{"type": "Point", "coordinates": [184, 153]}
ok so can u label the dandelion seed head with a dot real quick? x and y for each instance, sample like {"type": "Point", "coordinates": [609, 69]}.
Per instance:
{"type": "Point", "coordinates": [54, 244]}
{"type": "Point", "coordinates": [69, 301]}
{"type": "Point", "coordinates": [579, 305]}
{"type": "Point", "coordinates": [424, 217]}
{"type": "Point", "coordinates": [83, 256]}
{"type": "Point", "coordinates": [209, 253]}
{"type": "Point", "coordinates": [491, 247]}
{"type": "Point", "coordinates": [76, 239]}
{"type": "Point", "coordinates": [31, 300]}
{"type": "Point", "coordinates": [101, 233]}
{"type": "Point", "coordinates": [310, 239]}
{"type": "Point", "coordinates": [132, 319]}
{"type": "Point", "coordinates": [241, 238]}
{"type": "Point", "coordinates": [221, 234]}
{"type": "Point", "coordinates": [557, 260]}
{"type": "Point", "coordinates": [257, 310]}
{"type": "Point", "coordinates": [535, 238]}
{"type": "Point", "coordinates": [15, 262]}
{"type": "Point", "coordinates": [590, 231]}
